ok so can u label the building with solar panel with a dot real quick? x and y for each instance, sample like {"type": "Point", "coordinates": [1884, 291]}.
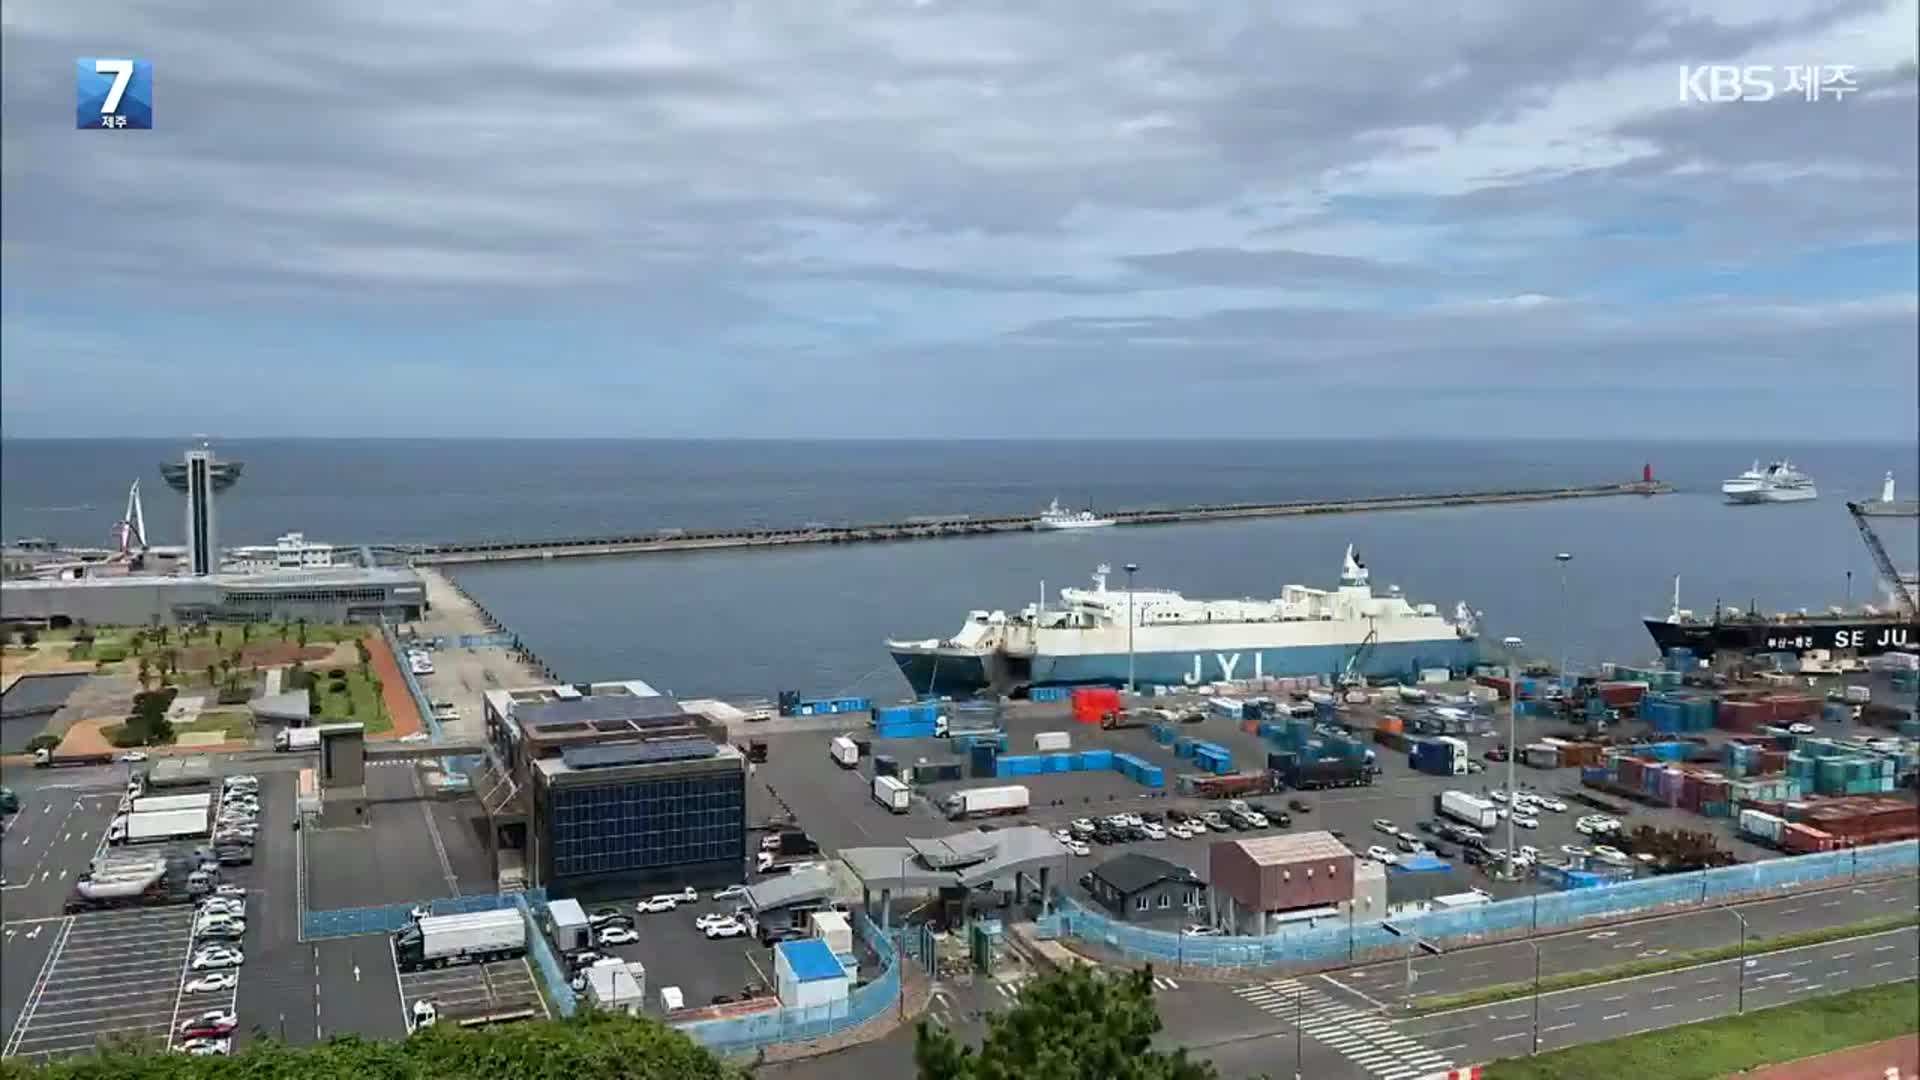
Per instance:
{"type": "Point", "coordinates": [613, 787]}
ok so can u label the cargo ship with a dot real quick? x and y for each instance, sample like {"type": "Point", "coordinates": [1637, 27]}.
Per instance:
{"type": "Point", "coordinates": [1868, 632]}
{"type": "Point", "coordinates": [1103, 636]}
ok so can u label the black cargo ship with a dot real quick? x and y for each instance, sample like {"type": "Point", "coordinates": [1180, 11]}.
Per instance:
{"type": "Point", "coordinates": [1751, 632]}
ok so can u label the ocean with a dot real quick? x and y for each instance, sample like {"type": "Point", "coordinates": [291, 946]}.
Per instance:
{"type": "Point", "coordinates": [749, 623]}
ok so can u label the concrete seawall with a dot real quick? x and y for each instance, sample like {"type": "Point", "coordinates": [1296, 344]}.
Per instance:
{"type": "Point", "coordinates": [923, 529]}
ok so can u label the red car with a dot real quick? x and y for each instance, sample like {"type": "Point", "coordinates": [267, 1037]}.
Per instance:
{"type": "Point", "coordinates": [211, 1025]}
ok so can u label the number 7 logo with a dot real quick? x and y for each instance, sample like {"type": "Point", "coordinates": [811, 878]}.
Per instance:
{"type": "Point", "coordinates": [113, 93]}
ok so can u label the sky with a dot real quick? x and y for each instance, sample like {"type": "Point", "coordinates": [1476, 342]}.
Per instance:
{"type": "Point", "coordinates": [945, 219]}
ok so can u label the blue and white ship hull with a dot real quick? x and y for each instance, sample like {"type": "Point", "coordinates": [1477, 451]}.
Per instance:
{"type": "Point", "coordinates": [1343, 633]}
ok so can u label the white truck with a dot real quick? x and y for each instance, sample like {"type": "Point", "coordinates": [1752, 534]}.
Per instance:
{"type": "Point", "coordinates": [476, 937]}
{"type": "Point", "coordinates": [844, 751]}
{"type": "Point", "coordinates": [152, 803]}
{"type": "Point", "coordinates": [156, 825]}
{"type": "Point", "coordinates": [1468, 809]}
{"type": "Point", "coordinates": [983, 802]}
{"type": "Point", "coordinates": [892, 793]}
{"type": "Point", "coordinates": [1052, 742]}
{"type": "Point", "coordinates": [300, 738]}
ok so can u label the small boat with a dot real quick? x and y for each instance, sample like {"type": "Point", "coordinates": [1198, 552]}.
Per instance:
{"type": "Point", "coordinates": [1059, 517]}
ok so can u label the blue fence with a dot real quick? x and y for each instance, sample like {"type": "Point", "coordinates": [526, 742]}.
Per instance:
{"type": "Point", "coordinates": [552, 972]}
{"type": "Point", "coordinates": [352, 922]}
{"type": "Point", "coordinates": [748, 1033]}
{"type": "Point", "coordinates": [454, 769]}
{"type": "Point", "coordinates": [1332, 941]}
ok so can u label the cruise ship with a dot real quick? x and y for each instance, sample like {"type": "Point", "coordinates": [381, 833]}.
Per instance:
{"type": "Point", "coordinates": [1059, 517]}
{"type": "Point", "coordinates": [1174, 640]}
{"type": "Point", "coordinates": [1778, 482]}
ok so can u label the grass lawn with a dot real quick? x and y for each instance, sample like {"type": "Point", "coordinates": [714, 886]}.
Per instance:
{"type": "Point", "coordinates": [1568, 980]}
{"type": "Point", "coordinates": [237, 724]}
{"type": "Point", "coordinates": [359, 703]}
{"type": "Point", "coordinates": [1715, 1048]}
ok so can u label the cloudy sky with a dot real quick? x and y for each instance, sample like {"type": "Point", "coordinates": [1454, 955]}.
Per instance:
{"type": "Point", "coordinates": [961, 217]}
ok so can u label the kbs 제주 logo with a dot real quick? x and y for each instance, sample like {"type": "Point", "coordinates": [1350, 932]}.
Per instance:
{"type": "Point", "coordinates": [115, 94]}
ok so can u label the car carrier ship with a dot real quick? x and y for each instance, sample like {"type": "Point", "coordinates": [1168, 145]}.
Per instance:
{"type": "Point", "coordinates": [1103, 636]}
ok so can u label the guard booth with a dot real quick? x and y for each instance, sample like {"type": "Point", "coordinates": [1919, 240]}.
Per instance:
{"type": "Point", "coordinates": [343, 775]}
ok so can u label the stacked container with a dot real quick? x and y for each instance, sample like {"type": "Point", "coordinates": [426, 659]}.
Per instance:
{"type": "Point", "coordinates": [1050, 693]}
{"type": "Point", "coordinates": [1212, 758]}
{"type": "Point", "coordinates": [906, 721]}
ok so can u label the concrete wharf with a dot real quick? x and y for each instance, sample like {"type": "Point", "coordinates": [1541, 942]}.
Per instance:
{"type": "Point", "coordinates": [924, 528]}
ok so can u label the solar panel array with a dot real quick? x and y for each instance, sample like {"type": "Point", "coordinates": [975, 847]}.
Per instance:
{"type": "Point", "coordinates": [641, 711]}
{"type": "Point", "coordinates": [637, 753]}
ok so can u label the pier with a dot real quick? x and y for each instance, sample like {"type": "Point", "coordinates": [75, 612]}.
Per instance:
{"type": "Point", "coordinates": [926, 528]}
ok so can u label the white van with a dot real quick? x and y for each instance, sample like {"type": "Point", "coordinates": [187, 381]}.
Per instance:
{"type": "Point", "coordinates": [671, 999]}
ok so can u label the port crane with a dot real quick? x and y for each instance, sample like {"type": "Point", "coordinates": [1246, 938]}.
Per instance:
{"type": "Point", "coordinates": [1890, 574]}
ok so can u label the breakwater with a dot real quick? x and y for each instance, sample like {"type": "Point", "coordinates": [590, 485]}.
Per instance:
{"type": "Point", "coordinates": [927, 528]}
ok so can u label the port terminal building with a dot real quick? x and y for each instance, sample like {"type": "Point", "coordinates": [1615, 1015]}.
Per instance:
{"type": "Point", "coordinates": [325, 595]}
{"type": "Point", "coordinates": [605, 788]}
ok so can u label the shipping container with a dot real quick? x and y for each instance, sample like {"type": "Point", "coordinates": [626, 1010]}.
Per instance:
{"type": "Point", "coordinates": [891, 793]}
{"type": "Point", "coordinates": [844, 752]}
{"type": "Point", "coordinates": [1052, 741]}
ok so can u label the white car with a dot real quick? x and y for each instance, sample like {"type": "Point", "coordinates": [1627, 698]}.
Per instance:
{"type": "Point", "coordinates": [1610, 854]}
{"type": "Point", "coordinates": [1179, 831]}
{"type": "Point", "coordinates": [1802, 728]}
{"type": "Point", "coordinates": [216, 958]}
{"type": "Point", "coordinates": [1497, 795]}
{"type": "Point", "coordinates": [1381, 824]}
{"type": "Point", "coordinates": [711, 918]}
{"type": "Point", "coordinates": [215, 922]}
{"type": "Point", "coordinates": [214, 983]}
{"type": "Point", "coordinates": [132, 757]}
{"type": "Point", "coordinates": [425, 1014]}
{"type": "Point", "coordinates": [1154, 831]}
{"type": "Point", "coordinates": [1062, 835]}
{"type": "Point", "coordinates": [618, 935]}
{"type": "Point", "coordinates": [1526, 822]}
{"type": "Point", "coordinates": [207, 1047]}
{"type": "Point", "coordinates": [654, 904]}
{"type": "Point", "coordinates": [235, 892]}
{"type": "Point", "coordinates": [1554, 805]}
{"type": "Point", "coordinates": [1574, 850]}
{"type": "Point", "coordinates": [231, 907]}
{"type": "Point", "coordinates": [1079, 847]}
{"type": "Point", "coordinates": [727, 928]}
{"type": "Point", "coordinates": [1201, 930]}
{"type": "Point", "coordinates": [731, 892]}
{"type": "Point", "coordinates": [1382, 855]}
{"type": "Point", "coordinates": [1256, 820]}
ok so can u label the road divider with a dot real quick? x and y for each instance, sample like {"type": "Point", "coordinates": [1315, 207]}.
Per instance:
{"type": "Point", "coordinates": [1672, 961]}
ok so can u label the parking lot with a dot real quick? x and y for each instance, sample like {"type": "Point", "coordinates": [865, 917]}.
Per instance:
{"type": "Point", "coordinates": [675, 953]}
{"type": "Point", "coordinates": [471, 989]}
{"type": "Point", "coordinates": [111, 975]}
{"type": "Point", "coordinates": [412, 848]}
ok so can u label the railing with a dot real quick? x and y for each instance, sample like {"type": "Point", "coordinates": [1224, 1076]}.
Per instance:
{"type": "Point", "coordinates": [552, 972]}
{"type": "Point", "coordinates": [1332, 941]}
{"type": "Point", "coordinates": [740, 1034]}
{"type": "Point", "coordinates": [352, 922]}
{"type": "Point", "coordinates": [452, 768]}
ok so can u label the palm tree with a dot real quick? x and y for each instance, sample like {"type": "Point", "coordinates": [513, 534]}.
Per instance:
{"type": "Point", "coordinates": [146, 672]}
{"type": "Point", "coordinates": [303, 633]}
{"type": "Point", "coordinates": [246, 632]}
{"type": "Point", "coordinates": [213, 678]}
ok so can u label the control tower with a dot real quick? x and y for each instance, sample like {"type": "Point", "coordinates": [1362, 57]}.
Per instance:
{"type": "Point", "coordinates": [200, 476]}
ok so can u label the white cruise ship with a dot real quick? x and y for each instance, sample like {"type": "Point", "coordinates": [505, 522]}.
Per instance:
{"type": "Point", "coordinates": [1059, 517]}
{"type": "Point", "coordinates": [1778, 482]}
{"type": "Point", "coordinates": [1175, 640]}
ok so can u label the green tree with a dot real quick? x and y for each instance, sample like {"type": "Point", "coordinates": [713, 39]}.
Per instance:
{"type": "Point", "coordinates": [213, 676]}
{"type": "Point", "coordinates": [160, 634]}
{"type": "Point", "coordinates": [146, 672]}
{"type": "Point", "coordinates": [303, 633]}
{"type": "Point", "coordinates": [246, 632]}
{"type": "Point", "coordinates": [366, 655]}
{"type": "Point", "coordinates": [29, 636]}
{"type": "Point", "coordinates": [1076, 1024]}
{"type": "Point", "coordinates": [171, 658]}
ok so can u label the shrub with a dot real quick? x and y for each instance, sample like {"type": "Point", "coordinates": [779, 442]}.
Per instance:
{"type": "Point", "coordinates": [123, 735]}
{"type": "Point", "coordinates": [235, 695]}
{"type": "Point", "coordinates": [110, 654]}
{"type": "Point", "coordinates": [44, 741]}
{"type": "Point", "coordinates": [337, 686]}
{"type": "Point", "coordinates": [79, 650]}
{"type": "Point", "coordinates": [336, 673]}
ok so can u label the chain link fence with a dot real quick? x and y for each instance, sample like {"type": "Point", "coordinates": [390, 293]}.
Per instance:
{"type": "Point", "coordinates": [740, 1034]}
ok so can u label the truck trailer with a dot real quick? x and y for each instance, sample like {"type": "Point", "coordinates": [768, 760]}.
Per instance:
{"type": "Point", "coordinates": [296, 739]}
{"type": "Point", "coordinates": [202, 801]}
{"type": "Point", "coordinates": [844, 751]}
{"type": "Point", "coordinates": [1467, 809]}
{"type": "Point", "coordinates": [892, 793]}
{"type": "Point", "coordinates": [476, 937]}
{"type": "Point", "coordinates": [169, 880]}
{"type": "Point", "coordinates": [1337, 772]}
{"type": "Point", "coordinates": [47, 759]}
{"type": "Point", "coordinates": [985, 802]}
{"type": "Point", "coordinates": [157, 825]}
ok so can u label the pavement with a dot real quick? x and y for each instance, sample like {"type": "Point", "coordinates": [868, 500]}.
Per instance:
{"type": "Point", "coordinates": [674, 953]}
{"type": "Point", "coordinates": [463, 675]}
{"type": "Point", "coordinates": [412, 847]}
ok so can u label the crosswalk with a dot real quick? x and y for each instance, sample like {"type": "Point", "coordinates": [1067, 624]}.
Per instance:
{"type": "Point", "coordinates": [1357, 1034]}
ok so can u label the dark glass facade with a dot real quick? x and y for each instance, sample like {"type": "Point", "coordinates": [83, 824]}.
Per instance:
{"type": "Point", "coordinates": [651, 824]}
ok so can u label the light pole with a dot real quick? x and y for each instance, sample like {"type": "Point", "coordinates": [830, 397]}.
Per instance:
{"type": "Point", "coordinates": [1513, 737]}
{"type": "Point", "coordinates": [1131, 689]}
{"type": "Point", "coordinates": [1563, 559]}
{"type": "Point", "coordinates": [1740, 973]}
{"type": "Point", "coordinates": [1536, 995]}
{"type": "Point", "coordinates": [1299, 1031]}
{"type": "Point", "coordinates": [1413, 944]}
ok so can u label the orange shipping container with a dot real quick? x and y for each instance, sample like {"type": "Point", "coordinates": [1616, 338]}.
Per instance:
{"type": "Point", "coordinates": [1391, 723]}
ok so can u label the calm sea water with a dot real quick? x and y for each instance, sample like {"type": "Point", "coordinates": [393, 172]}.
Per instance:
{"type": "Point", "coordinates": [814, 619]}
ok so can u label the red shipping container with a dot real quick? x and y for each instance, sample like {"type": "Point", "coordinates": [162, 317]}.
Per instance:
{"type": "Point", "coordinates": [1091, 704]}
{"type": "Point", "coordinates": [1621, 694]}
{"type": "Point", "coordinates": [1802, 838]}
{"type": "Point", "coordinates": [1498, 683]}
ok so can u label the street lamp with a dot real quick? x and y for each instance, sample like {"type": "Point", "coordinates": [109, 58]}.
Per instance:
{"type": "Point", "coordinates": [1413, 943]}
{"type": "Point", "coordinates": [1740, 973]}
{"type": "Point", "coordinates": [1131, 689]}
{"type": "Point", "coordinates": [1536, 995]}
{"type": "Point", "coordinates": [1299, 1030]}
{"type": "Point", "coordinates": [1563, 559]}
{"type": "Point", "coordinates": [1512, 645]}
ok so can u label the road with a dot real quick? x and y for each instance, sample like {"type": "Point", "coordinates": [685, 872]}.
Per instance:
{"type": "Point", "coordinates": [1512, 962]}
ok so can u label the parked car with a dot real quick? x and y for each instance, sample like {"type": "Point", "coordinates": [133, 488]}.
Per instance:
{"type": "Point", "coordinates": [215, 958]}
{"type": "Point", "coordinates": [701, 922]}
{"type": "Point", "coordinates": [617, 935]}
{"type": "Point", "coordinates": [210, 1047]}
{"type": "Point", "coordinates": [1382, 855]}
{"type": "Point", "coordinates": [1801, 728]}
{"type": "Point", "coordinates": [729, 928]}
{"type": "Point", "coordinates": [1179, 831]}
{"type": "Point", "coordinates": [1407, 844]}
{"type": "Point", "coordinates": [425, 1014]}
{"type": "Point", "coordinates": [1526, 822]}
{"type": "Point", "coordinates": [213, 983]}
{"type": "Point", "coordinates": [1214, 821]}
{"type": "Point", "coordinates": [662, 902]}
{"type": "Point", "coordinates": [1554, 805]}
{"type": "Point", "coordinates": [210, 1025]}
{"type": "Point", "coordinates": [235, 891]}
{"type": "Point", "coordinates": [1201, 930]}
{"type": "Point", "coordinates": [731, 892]}
{"type": "Point", "coordinates": [1154, 831]}
{"type": "Point", "coordinates": [1062, 835]}
{"type": "Point", "coordinates": [605, 916]}
{"type": "Point", "coordinates": [1299, 806]}
{"type": "Point", "coordinates": [1079, 848]}
{"type": "Point", "coordinates": [134, 757]}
